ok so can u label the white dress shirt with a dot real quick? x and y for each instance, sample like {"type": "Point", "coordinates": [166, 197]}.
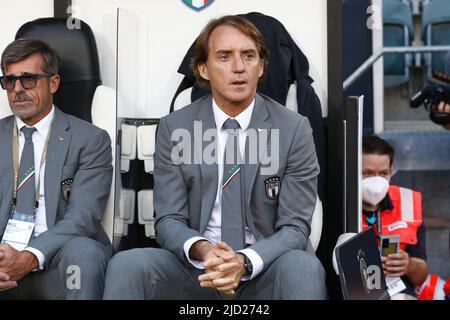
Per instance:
{"type": "Point", "coordinates": [39, 137]}
{"type": "Point", "coordinates": [213, 229]}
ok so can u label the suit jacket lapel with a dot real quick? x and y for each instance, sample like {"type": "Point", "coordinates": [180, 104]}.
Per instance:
{"type": "Point", "coordinates": [260, 125]}
{"type": "Point", "coordinates": [7, 178]}
{"type": "Point", "coordinates": [209, 174]}
{"type": "Point", "coordinates": [57, 151]}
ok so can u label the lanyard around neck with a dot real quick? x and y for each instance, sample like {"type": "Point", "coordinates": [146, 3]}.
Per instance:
{"type": "Point", "coordinates": [15, 150]}
{"type": "Point", "coordinates": [380, 227]}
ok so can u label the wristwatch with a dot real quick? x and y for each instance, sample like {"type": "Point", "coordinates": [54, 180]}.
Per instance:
{"type": "Point", "coordinates": [248, 266]}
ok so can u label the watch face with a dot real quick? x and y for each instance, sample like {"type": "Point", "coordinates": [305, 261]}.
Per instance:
{"type": "Point", "coordinates": [248, 265]}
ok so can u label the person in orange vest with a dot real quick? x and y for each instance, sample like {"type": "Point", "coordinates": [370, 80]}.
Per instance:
{"type": "Point", "coordinates": [393, 210]}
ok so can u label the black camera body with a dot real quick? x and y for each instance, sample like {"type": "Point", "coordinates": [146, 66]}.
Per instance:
{"type": "Point", "coordinates": [430, 96]}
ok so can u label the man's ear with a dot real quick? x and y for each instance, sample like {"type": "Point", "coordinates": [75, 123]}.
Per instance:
{"type": "Point", "coordinates": [203, 71]}
{"type": "Point", "coordinates": [390, 175]}
{"type": "Point", "coordinates": [261, 68]}
{"type": "Point", "coordinates": [54, 83]}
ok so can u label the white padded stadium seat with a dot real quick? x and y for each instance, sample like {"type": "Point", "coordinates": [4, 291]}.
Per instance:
{"type": "Point", "coordinates": [291, 99]}
{"type": "Point", "coordinates": [104, 116]}
{"type": "Point", "coordinates": [146, 137]}
{"type": "Point", "coordinates": [126, 212]}
{"type": "Point", "coordinates": [5, 110]}
{"type": "Point", "coordinates": [145, 212]}
{"type": "Point", "coordinates": [183, 99]}
{"type": "Point", "coordinates": [128, 152]}
{"type": "Point", "coordinates": [342, 238]}
{"type": "Point", "coordinates": [316, 225]}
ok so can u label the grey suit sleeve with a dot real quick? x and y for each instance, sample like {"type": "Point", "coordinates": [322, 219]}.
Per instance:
{"type": "Point", "coordinates": [88, 197]}
{"type": "Point", "coordinates": [297, 199]}
{"type": "Point", "coordinates": [170, 197]}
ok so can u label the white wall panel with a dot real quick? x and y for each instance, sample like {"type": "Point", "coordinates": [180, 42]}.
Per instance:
{"type": "Point", "coordinates": [162, 32]}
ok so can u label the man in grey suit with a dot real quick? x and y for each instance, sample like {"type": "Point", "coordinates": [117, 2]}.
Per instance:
{"type": "Point", "coordinates": [238, 227]}
{"type": "Point", "coordinates": [66, 253]}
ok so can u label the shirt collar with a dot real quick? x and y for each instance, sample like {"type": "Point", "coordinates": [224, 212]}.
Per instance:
{"type": "Point", "coordinates": [42, 127]}
{"type": "Point", "coordinates": [242, 118]}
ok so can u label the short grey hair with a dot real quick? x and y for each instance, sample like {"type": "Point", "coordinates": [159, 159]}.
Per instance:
{"type": "Point", "coordinates": [21, 49]}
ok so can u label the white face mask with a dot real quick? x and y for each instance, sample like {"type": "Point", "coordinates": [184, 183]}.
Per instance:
{"type": "Point", "coordinates": [374, 189]}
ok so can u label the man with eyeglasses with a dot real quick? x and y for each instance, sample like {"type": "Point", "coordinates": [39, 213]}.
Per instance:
{"type": "Point", "coordinates": [394, 212]}
{"type": "Point", "coordinates": [56, 175]}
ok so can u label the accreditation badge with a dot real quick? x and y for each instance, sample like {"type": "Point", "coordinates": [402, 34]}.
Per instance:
{"type": "Point", "coordinates": [19, 230]}
{"type": "Point", "coordinates": [395, 285]}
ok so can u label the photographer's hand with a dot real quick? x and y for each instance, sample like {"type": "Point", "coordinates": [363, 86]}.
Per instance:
{"type": "Point", "coordinates": [401, 264]}
{"type": "Point", "coordinates": [444, 108]}
{"type": "Point", "coordinates": [396, 265]}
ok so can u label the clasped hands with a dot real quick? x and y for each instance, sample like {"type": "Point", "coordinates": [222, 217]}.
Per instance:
{"type": "Point", "coordinates": [14, 265]}
{"type": "Point", "coordinates": [224, 268]}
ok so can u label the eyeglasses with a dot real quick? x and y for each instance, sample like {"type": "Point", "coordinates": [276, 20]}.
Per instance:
{"type": "Point", "coordinates": [27, 80]}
